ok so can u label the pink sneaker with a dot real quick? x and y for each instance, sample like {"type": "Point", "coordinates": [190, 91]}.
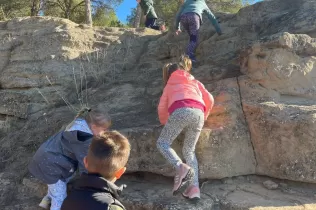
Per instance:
{"type": "Point", "coordinates": [193, 193]}
{"type": "Point", "coordinates": [183, 178]}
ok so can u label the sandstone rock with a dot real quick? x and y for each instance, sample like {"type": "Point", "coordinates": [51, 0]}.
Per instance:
{"type": "Point", "coordinates": [278, 99]}
{"type": "Point", "coordinates": [147, 192]}
{"type": "Point", "coordinates": [14, 104]}
{"type": "Point", "coordinates": [34, 187]}
{"type": "Point", "coordinates": [270, 185]}
{"type": "Point", "coordinates": [284, 63]}
{"type": "Point", "coordinates": [142, 195]}
{"type": "Point", "coordinates": [152, 192]}
{"type": "Point", "coordinates": [277, 124]}
{"type": "Point", "coordinates": [4, 59]}
{"type": "Point", "coordinates": [121, 69]}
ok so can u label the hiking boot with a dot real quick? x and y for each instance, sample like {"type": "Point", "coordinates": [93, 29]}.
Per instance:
{"type": "Point", "coordinates": [45, 203]}
{"type": "Point", "coordinates": [183, 178]}
{"type": "Point", "coordinates": [192, 193]}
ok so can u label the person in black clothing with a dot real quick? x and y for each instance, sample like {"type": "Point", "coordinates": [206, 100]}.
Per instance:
{"type": "Point", "coordinates": [150, 15]}
{"type": "Point", "coordinates": [105, 162]}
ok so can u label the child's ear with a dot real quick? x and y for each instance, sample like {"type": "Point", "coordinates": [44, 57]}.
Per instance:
{"type": "Point", "coordinates": [85, 162]}
{"type": "Point", "coordinates": [120, 172]}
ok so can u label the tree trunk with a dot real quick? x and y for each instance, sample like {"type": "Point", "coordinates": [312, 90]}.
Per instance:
{"type": "Point", "coordinates": [138, 17]}
{"type": "Point", "coordinates": [2, 16]}
{"type": "Point", "coordinates": [34, 8]}
{"type": "Point", "coordinates": [88, 13]}
{"type": "Point", "coordinates": [68, 5]}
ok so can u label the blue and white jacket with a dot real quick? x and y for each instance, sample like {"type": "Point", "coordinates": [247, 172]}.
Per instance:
{"type": "Point", "coordinates": [59, 157]}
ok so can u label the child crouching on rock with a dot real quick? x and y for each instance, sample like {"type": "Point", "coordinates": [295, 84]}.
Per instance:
{"type": "Point", "coordinates": [105, 162]}
{"type": "Point", "coordinates": [57, 159]}
{"type": "Point", "coordinates": [150, 15]}
{"type": "Point", "coordinates": [184, 105]}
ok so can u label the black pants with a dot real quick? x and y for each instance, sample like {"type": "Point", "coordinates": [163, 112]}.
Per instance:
{"type": "Point", "coordinates": [151, 23]}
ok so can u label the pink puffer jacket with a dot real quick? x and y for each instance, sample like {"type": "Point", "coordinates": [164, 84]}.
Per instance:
{"type": "Point", "coordinates": [182, 85]}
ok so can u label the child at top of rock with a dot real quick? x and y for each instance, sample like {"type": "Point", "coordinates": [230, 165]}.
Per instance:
{"type": "Point", "coordinates": [184, 105]}
{"type": "Point", "coordinates": [105, 162]}
{"type": "Point", "coordinates": [150, 14]}
{"type": "Point", "coordinates": [190, 17]}
{"type": "Point", "coordinates": [57, 159]}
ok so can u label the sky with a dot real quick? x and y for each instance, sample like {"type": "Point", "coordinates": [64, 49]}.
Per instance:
{"type": "Point", "coordinates": [125, 9]}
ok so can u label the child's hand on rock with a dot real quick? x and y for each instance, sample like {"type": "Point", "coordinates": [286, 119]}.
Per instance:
{"type": "Point", "coordinates": [178, 32]}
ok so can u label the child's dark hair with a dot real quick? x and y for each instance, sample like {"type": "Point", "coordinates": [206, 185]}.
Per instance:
{"type": "Point", "coordinates": [167, 70]}
{"type": "Point", "coordinates": [97, 116]}
{"type": "Point", "coordinates": [108, 153]}
{"type": "Point", "coordinates": [185, 64]}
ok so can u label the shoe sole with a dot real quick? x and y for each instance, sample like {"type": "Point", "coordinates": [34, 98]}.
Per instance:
{"type": "Point", "coordinates": [44, 207]}
{"type": "Point", "coordinates": [194, 200]}
{"type": "Point", "coordinates": [186, 181]}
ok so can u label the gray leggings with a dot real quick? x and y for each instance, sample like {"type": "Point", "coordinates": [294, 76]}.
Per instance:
{"type": "Point", "coordinates": [190, 120]}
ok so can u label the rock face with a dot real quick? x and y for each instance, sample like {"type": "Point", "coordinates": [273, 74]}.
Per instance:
{"type": "Point", "coordinates": [152, 192]}
{"type": "Point", "coordinates": [278, 96]}
{"type": "Point", "coordinates": [261, 72]}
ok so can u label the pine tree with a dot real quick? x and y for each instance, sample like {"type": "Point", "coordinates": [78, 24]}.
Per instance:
{"type": "Point", "coordinates": [88, 12]}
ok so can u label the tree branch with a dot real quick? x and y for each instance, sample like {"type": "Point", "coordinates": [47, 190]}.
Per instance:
{"type": "Point", "coordinates": [58, 3]}
{"type": "Point", "coordinates": [78, 5]}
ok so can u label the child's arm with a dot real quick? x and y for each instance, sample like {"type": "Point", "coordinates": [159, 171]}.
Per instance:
{"type": "Point", "coordinates": [207, 98]}
{"type": "Point", "coordinates": [212, 18]}
{"type": "Point", "coordinates": [163, 108]}
{"type": "Point", "coordinates": [81, 150]}
{"type": "Point", "coordinates": [178, 16]}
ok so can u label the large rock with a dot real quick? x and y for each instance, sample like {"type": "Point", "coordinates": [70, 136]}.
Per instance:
{"type": "Point", "coordinates": [284, 63]}
{"type": "Point", "coordinates": [278, 96]}
{"type": "Point", "coordinates": [151, 192]}
{"type": "Point", "coordinates": [121, 69]}
{"type": "Point", "coordinates": [242, 193]}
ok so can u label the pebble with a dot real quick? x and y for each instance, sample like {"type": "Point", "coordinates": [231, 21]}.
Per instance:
{"type": "Point", "coordinates": [270, 185]}
{"type": "Point", "coordinates": [283, 185]}
{"type": "Point", "coordinates": [227, 181]}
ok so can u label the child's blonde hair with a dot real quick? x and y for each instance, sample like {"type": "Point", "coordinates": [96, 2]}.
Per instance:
{"type": "Point", "coordinates": [185, 64]}
{"type": "Point", "coordinates": [96, 116]}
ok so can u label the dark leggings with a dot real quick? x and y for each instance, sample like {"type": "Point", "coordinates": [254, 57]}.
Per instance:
{"type": "Point", "coordinates": [151, 23]}
{"type": "Point", "coordinates": [191, 23]}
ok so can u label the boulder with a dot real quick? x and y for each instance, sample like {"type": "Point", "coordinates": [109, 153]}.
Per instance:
{"type": "Point", "coordinates": [278, 97]}
{"type": "Point", "coordinates": [261, 72]}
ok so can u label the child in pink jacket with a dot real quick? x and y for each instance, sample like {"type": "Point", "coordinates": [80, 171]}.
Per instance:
{"type": "Point", "coordinates": [184, 105]}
